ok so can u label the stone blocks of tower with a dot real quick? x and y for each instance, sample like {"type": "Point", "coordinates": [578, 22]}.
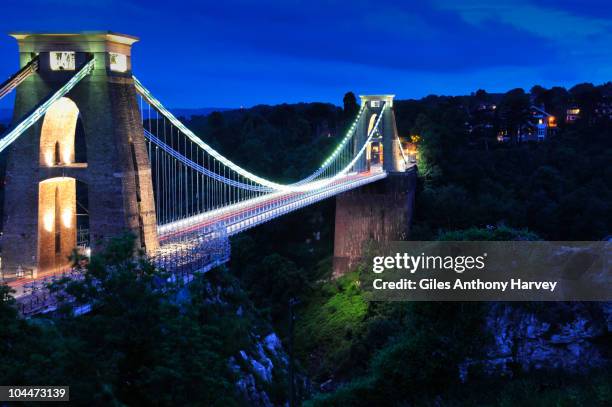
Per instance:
{"type": "Point", "coordinates": [393, 160]}
{"type": "Point", "coordinates": [116, 173]}
{"type": "Point", "coordinates": [380, 212]}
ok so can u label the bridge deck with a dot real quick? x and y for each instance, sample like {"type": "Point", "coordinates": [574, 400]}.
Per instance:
{"type": "Point", "coordinates": [185, 241]}
{"type": "Point", "coordinates": [247, 214]}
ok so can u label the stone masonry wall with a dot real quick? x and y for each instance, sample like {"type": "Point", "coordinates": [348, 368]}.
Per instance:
{"type": "Point", "coordinates": [381, 211]}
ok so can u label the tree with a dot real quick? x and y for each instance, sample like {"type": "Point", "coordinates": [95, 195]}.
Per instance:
{"type": "Point", "coordinates": [216, 120]}
{"type": "Point", "coordinates": [514, 112]}
{"type": "Point", "coordinates": [350, 105]}
{"type": "Point", "coordinates": [538, 92]}
{"type": "Point", "coordinates": [481, 95]}
{"type": "Point", "coordinates": [556, 101]}
{"type": "Point", "coordinates": [586, 97]}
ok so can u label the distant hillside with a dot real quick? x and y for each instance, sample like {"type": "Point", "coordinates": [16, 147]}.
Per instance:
{"type": "Point", "coordinates": [202, 111]}
{"type": "Point", "coordinates": [7, 114]}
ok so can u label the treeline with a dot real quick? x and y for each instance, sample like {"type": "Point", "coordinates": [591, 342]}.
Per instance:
{"type": "Point", "coordinates": [279, 142]}
{"type": "Point", "coordinates": [560, 188]}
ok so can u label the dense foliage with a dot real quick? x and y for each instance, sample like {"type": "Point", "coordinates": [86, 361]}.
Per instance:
{"type": "Point", "coordinates": [280, 142]}
{"type": "Point", "coordinates": [139, 346]}
{"type": "Point", "coordinates": [561, 188]}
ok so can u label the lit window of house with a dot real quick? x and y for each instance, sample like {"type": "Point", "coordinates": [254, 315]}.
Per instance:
{"type": "Point", "coordinates": [62, 61]}
{"type": "Point", "coordinates": [572, 115]}
{"type": "Point", "coordinates": [118, 62]}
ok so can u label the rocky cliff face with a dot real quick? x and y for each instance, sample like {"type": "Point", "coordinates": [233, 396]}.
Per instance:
{"type": "Point", "coordinates": [257, 369]}
{"type": "Point", "coordinates": [260, 365]}
{"type": "Point", "coordinates": [569, 337]}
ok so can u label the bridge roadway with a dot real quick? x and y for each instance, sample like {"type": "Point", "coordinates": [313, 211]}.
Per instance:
{"type": "Point", "coordinates": [183, 242]}
{"type": "Point", "coordinates": [247, 214]}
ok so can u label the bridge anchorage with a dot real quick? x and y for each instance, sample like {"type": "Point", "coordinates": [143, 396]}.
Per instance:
{"type": "Point", "coordinates": [92, 153]}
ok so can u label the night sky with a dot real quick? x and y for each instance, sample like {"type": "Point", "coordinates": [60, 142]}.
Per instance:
{"type": "Point", "coordinates": [231, 53]}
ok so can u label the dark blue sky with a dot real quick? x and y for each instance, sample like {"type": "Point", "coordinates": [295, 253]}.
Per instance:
{"type": "Point", "coordinates": [229, 53]}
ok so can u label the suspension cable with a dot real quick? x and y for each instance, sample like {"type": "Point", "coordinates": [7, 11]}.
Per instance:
{"type": "Point", "coordinates": [29, 119]}
{"type": "Point", "coordinates": [301, 186]}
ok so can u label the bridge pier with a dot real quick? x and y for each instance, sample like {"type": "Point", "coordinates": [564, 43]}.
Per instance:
{"type": "Point", "coordinates": [381, 211]}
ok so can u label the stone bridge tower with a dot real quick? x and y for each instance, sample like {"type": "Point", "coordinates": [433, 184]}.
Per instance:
{"type": "Point", "coordinates": [381, 211]}
{"type": "Point", "coordinates": [385, 140]}
{"type": "Point", "coordinates": [81, 174]}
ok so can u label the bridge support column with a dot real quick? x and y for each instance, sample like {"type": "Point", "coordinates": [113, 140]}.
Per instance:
{"type": "Point", "coordinates": [110, 163]}
{"type": "Point", "coordinates": [381, 211]}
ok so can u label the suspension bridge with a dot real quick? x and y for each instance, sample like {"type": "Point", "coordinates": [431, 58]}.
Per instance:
{"type": "Point", "coordinates": [92, 153]}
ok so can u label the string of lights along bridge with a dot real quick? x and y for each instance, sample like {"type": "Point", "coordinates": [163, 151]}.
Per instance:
{"type": "Point", "coordinates": [93, 170]}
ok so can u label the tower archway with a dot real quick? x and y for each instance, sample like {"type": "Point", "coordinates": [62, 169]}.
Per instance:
{"type": "Point", "coordinates": [371, 122]}
{"type": "Point", "coordinates": [57, 222]}
{"type": "Point", "coordinates": [61, 134]}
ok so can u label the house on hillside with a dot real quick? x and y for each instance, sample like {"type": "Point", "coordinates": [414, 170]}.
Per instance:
{"type": "Point", "coordinates": [538, 127]}
{"type": "Point", "coordinates": [542, 123]}
{"type": "Point", "coordinates": [603, 110]}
